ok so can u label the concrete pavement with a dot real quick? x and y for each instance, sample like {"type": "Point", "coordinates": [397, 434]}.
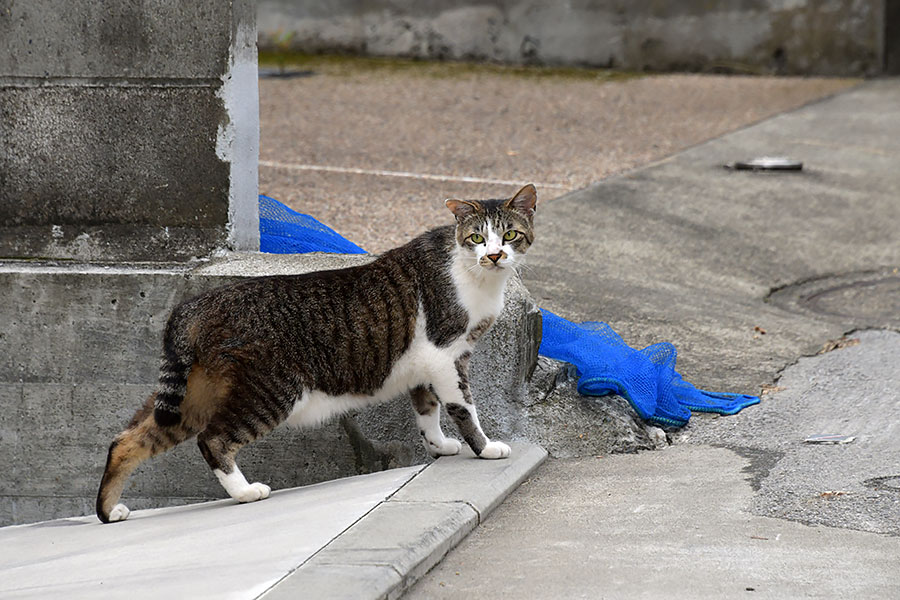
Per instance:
{"type": "Point", "coordinates": [673, 524]}
{"type": "Point", "coordinates": [368, 536]}
{"type": "Point", "coordinates": [373, 151]}
{"type": "Point", "coordinates": [750, 275]}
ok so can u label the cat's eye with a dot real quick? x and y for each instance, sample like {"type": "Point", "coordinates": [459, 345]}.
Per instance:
{"type": "Point", "coordinates": [510, 235]}
{"type": "Point", "coordinates": [477, 238]}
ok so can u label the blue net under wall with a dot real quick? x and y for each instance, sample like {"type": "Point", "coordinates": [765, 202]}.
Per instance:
{"type": "Point", "coordinates": [284, 231]}
{"type": "Point", "coordinates": [605, 363]}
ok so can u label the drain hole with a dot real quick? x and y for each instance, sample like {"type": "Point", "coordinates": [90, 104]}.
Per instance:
{"type": "Point", "coordinates": [863, 299]}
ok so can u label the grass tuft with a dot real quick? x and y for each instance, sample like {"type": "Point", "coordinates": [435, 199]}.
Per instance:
{"type": "Point", "coordinates": [346, 65]}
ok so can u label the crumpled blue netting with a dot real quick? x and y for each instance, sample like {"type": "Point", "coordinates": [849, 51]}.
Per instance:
{"type": "Point", "coordinates": [605, 363]}
{"type": "Point", "coordinates": [284, 231]}
{"type": "Point", "coordinates": [646, 378]}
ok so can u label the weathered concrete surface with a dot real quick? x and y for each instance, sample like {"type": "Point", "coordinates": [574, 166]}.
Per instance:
{"type": "Point", "coordinates": [118, 39]}
{"type": "Point", "coordinates": [485, 487]}
{"type": "Point", "coordinates": [800, 37]}
{"type": "Point", "coordinates": [569, 424]}
{"type": "Point", "coordinates": [672, 524]}
{"type": "Point", "coordinates": [892, 38]}
{"type": "Point", "coordinates": [362, 537]}
{"type": "Point", "coordinates": [853, 391]}
{"type": "Point", "coordinates": [129, 132]}
{"type": "Point", "coordinates": [689, 252]}
{"type": "Point", "coordinates": [218, 549]}
{"type": "Point", "coordinates": [483, 133]}
{"type": "Point", "coordinates": [80, 349]}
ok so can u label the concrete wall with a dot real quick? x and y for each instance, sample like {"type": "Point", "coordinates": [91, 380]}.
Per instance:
{"type": "Point", "coordinates": [808, 37]}
{"type": "Point", "coordinates": [128, 130]}
{"type": "Point", "coordinates": [80, 346]}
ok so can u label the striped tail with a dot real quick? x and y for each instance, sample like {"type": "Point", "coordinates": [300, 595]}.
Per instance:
{"type": "Point", "coordinates": [173, 374]}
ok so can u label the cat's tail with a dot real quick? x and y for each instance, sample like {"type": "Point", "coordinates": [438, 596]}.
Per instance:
{"type": "Point", "coordinates": [139, 441]}
{"type": "Point", "coordinates": [173, 373]}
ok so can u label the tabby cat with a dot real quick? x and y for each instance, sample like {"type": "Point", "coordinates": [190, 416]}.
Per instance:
{"type": "Point", "coordinates": [240, 360]}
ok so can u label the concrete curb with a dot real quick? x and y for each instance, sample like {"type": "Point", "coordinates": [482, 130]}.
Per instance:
{"type": "Point", "coordinates": [395, 544]}
{"type": "Point", "coordinates": [364, 537]}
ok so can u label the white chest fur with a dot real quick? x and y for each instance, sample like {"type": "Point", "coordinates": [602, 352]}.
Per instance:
{"type": "Point", "coordinates": [480, 291]}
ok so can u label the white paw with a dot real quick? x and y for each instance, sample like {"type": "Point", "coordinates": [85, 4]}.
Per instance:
{"type": "Point", "coordinates": [495, 450]}
{"type": "Point", "coordinates": [119, 512]}
{"type": "Point", "coordinates": [253, 492]}
{"type": "Point", "coordinates": [449, 447]}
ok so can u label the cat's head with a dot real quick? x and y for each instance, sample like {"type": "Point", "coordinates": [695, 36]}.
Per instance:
{"type": "Point", "coordinates": [494, 234]}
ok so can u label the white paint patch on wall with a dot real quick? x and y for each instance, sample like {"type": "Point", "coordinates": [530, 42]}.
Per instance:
{"type": "Point", "coordinates": [238, 137]}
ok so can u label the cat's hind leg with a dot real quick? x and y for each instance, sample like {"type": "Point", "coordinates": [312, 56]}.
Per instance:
{"type": "Point", "coordinates": [428, 418]}
{"type": "Point", "coordinates": [250, 411]}
{"type": "Point", "coordinates": [219, 453]}
{"type": "Point", "coordinates": [140, 440]}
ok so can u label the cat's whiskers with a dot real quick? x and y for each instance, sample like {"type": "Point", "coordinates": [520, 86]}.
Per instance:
{"type": "Point", "coordinates": [523, 267]}
{"type": "Point", "coordinates": [474, 269]}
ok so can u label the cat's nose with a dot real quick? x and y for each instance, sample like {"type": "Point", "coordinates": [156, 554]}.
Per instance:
{"type": "Point", "coordinates": [495, 257]}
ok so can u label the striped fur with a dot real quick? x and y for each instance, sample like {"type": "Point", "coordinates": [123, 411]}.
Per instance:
{"type": "Point", "coordinates": [240, 360]}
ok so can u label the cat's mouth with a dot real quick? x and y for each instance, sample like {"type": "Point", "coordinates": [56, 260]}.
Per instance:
{"type": "Point", "coordinates": [491, 266]}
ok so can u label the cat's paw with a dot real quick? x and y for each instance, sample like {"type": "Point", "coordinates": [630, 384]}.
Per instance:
{"type": "Point", "coordinates": [253, 492]}
{"type": "Point", "coordinates": [119, 512]}
{"type": "Point", "coordinates": [449, 447]}
{"type": "Point", "coordinates": [494, 450]}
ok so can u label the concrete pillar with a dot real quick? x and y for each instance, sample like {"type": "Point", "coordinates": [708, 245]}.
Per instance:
{"type": "Point", "coordinates": [128, 130]}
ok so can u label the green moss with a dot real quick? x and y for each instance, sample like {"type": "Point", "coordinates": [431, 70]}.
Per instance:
{"type": "Point", "coordinates": [344, 65]}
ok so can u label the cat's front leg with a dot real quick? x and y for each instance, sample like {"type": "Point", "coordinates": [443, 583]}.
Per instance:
{"type": "Point", "coordinates": [454, 393]}
{"type": "Point", "coordinates": [428, 418]}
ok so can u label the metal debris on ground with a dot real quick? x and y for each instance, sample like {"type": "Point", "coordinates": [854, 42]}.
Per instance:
{"type": "Point", "coordinates": [829, 439]}
{"type": "Point", "coordinates": [766, 163]}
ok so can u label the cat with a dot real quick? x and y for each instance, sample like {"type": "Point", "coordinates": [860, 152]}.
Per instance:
{"type": "Point", "coordinates": [298, 349]}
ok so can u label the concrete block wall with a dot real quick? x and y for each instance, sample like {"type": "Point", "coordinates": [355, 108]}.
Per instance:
{"type": "Point", "coordinates": [803, 37]}
{"type": "Point", "coordinates": [81, 346]}
{"type": "Point", "coordinates": [128, 131]}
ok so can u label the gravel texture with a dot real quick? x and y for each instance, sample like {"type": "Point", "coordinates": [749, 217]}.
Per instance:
{"type": "Point", "coordinates": [562, 133]}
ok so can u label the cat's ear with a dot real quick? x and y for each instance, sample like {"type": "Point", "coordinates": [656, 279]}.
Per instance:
{"type": "Point", "coordinates": [524, 201]}
{"type": "Point", "coordinates": [461, 208]}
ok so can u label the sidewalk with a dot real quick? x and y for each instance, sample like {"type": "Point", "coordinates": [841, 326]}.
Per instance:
{"type": "Point", "coordinates": [368, 536]}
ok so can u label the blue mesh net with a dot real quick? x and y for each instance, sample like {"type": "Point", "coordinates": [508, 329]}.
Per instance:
{"type": "Point", "coordinates": [605, 363]}
{"type": "Point", "coordinates": [284, 231]}
{"type": "Point", "coordinates": [646, 378]}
